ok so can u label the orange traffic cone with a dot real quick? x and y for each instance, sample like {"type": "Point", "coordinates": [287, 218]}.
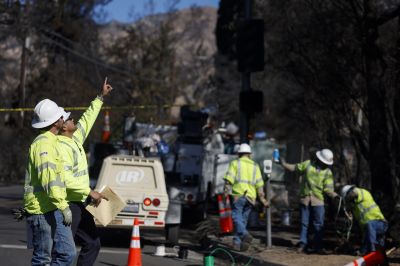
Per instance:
{"type": "Point", "coordinates": [225, 215]}
{"type": "Point", "coordinates": [371, 259]}
{"type": "Point", "coordinates": [135, 253]}
{"type": "Point", "coordinates": [106, 130]}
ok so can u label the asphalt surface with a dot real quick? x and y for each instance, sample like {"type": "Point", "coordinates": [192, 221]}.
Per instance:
{"type": "Point", "coordinates": [115, 244]}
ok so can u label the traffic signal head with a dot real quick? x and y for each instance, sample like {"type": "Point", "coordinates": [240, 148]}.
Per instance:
{"type": "Point", "coordinates": [250, 45]}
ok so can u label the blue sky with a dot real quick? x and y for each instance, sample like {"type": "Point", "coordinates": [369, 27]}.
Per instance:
{"type": "Point", "coordinates": [129, 10]}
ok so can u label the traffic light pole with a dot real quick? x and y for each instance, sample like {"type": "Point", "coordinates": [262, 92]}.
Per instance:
{"type": "Point", "coordinates": [246, 85]}
{"type": "Point", "coordinates": [244, 117]}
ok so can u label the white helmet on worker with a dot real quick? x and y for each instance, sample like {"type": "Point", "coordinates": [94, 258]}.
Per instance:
{"type": "Point", "coordinates": [325, 156]}
{"type": "Point", "coordinates": [346, 189]}
{"type": "Point", "coordinates": [231, 128]}
{"type": "Point", "coordinates": [244, 148]}
{"type": "Point", "coordinates": [46, 112]}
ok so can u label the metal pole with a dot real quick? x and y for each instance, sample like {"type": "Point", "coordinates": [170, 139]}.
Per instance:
{"type": "Point", "coordinates": [267, 172]}
{"type": "Point", "coordinates": [268, 213]}
{"type": "Point", "coordinates": [23, 78]}
{"type": "Point", "coordinates": [246, 82]}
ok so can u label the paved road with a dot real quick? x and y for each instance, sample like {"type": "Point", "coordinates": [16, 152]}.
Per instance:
{"type": "Point", "coordinates": [114, 251]}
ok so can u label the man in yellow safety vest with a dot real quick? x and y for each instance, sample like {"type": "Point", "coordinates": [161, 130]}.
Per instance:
{"type": "Point", "coordinates": [317, 181]}
{"type": "Point", "coordinates": [245, 182]}
{"type": "Point", "coordinates": [369, 216]}
{"type": "Point", "coordinates": [70, 142]}
{"type": "Point", "coordinates": [46, 209]}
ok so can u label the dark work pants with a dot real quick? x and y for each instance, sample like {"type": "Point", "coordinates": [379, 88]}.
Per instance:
{"type": "Point", "coordinates": [85, 233]}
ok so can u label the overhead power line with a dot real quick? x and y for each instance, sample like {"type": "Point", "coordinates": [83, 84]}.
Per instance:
{"type": "Point", "coordinates": [90, 59]}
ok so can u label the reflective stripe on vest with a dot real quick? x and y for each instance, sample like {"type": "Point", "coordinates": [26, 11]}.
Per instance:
{"type": "Point", "coordinates": [81, 173]}
{"type": "Point", "coordinates": [45, 166]}
{"type": "Point", "coordinates": [36, 189]}
{"type": "Point", "coordinates": [79, 126]}
{"type": "Point", "coordinates": [74, 168]}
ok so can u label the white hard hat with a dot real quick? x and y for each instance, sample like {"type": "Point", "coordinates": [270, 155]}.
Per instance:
{"type": "Point", "coordinates": [325, 156]}
{"type": "Point", "coordinates": [346, 190]}
{"type": "Point", "coordinates": [244, 148]}
{"type": "Point", "coordinates": [46, 113]}
{"type": "Point", "coordinates": [231, 128]}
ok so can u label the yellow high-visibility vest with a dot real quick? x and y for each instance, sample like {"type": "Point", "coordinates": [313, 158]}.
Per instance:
{"type": "Point", "coordinates": [74, 156]}
{"type": "Point", "coordinates": [245, 176]}
{"type": "Point", "coordinates": [315, 182]}
{"type": "Point", "coordinates": [364, 207]}
{"type": "Point", "coordinates": [44, 188]}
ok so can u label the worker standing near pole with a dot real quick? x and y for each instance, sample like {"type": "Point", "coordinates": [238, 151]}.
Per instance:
{"type": "Point", "coordinates": [244, 179]}
{"type": "Point", "coordinates": [46, 209]}
{"type": "Point", "coordinates": [317, 181]}
{"type": "Point", "coordinates": [369, 216]}
{"type": "Point", "coordinates": [79, 194]}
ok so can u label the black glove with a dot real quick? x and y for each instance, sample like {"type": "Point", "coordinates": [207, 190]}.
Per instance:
{"type": "Point", "coordinates": [19, 214]}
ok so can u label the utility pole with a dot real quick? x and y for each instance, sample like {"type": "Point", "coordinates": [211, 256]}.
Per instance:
{"type": "Point", "coordinates": [246, 84]}
{"type": "Point", "coordinates": [24, 57]}
{"type": "Point", "coordinates": [22, 91]}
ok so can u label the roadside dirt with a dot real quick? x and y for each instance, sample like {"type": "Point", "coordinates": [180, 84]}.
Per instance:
{"type": "Point", "coordinates": [283, 251]}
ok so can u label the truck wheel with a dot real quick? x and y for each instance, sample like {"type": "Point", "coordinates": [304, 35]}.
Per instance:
{"type": "Point", "coordinates": [172, 233]}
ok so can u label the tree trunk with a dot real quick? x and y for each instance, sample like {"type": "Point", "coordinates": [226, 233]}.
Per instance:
{"type": "Point", "coordinates": [379, 134]}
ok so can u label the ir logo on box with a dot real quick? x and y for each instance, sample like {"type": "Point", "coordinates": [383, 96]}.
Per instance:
{"type": "Point", "coordinates": [126, 177]}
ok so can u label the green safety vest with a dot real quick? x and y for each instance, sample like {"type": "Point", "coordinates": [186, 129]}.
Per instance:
{"type": "Point", "coordinates": [245, 177]}
{"type": "Point", "coordinates": [44, 188]}
{"type": "Point", "coordinates": [364, 207]}
{"type": "Point", "coordinates": [74, 156]}
{"type": "Point", "coordinates": [315, 182]}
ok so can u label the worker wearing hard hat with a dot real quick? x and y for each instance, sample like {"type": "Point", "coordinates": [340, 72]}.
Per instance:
{"type": "Point", "coordinates": [317, 182]}
{"type": "Point", "coordinates": [79, 194]}
{"type": "Point", "coordinates": [362, 206]}
{"type": "Point", "coordinates": [243, 179]}
{"type": "Point", "coordinates": [47, 213]}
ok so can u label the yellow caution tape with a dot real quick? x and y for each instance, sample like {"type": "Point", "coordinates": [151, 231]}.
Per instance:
{"type": "Point", "coordinates": [128, 107]}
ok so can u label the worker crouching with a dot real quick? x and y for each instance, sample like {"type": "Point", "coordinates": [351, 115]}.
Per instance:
{"type": "Point", "coordinates": [361, 205]}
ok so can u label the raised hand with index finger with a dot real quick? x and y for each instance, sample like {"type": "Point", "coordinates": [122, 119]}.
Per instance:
{"type": "Point", "coordinates": [106, 88]}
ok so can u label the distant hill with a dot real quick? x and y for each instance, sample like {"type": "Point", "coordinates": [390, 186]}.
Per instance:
{"type": "Point", "coordinates": [194, 26]}
{"type": "Point", "coordinates": [193, 30]}
{"type": "Point", "coordinates": [207, 16]}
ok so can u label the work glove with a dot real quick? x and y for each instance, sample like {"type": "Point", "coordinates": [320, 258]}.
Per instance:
{"type": "Point", "coordinates": [264, 202]}
{"type": "Point", "coordinates": [226, 195]}
{"type": "Point", "coordinates": [67, 216]}
{"type": "Point", "coordinates": [349, 215]}
{"type": "Point", "coordinates": [227, 189]}
{"type": "Point", "coordinates": [19, 214]}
